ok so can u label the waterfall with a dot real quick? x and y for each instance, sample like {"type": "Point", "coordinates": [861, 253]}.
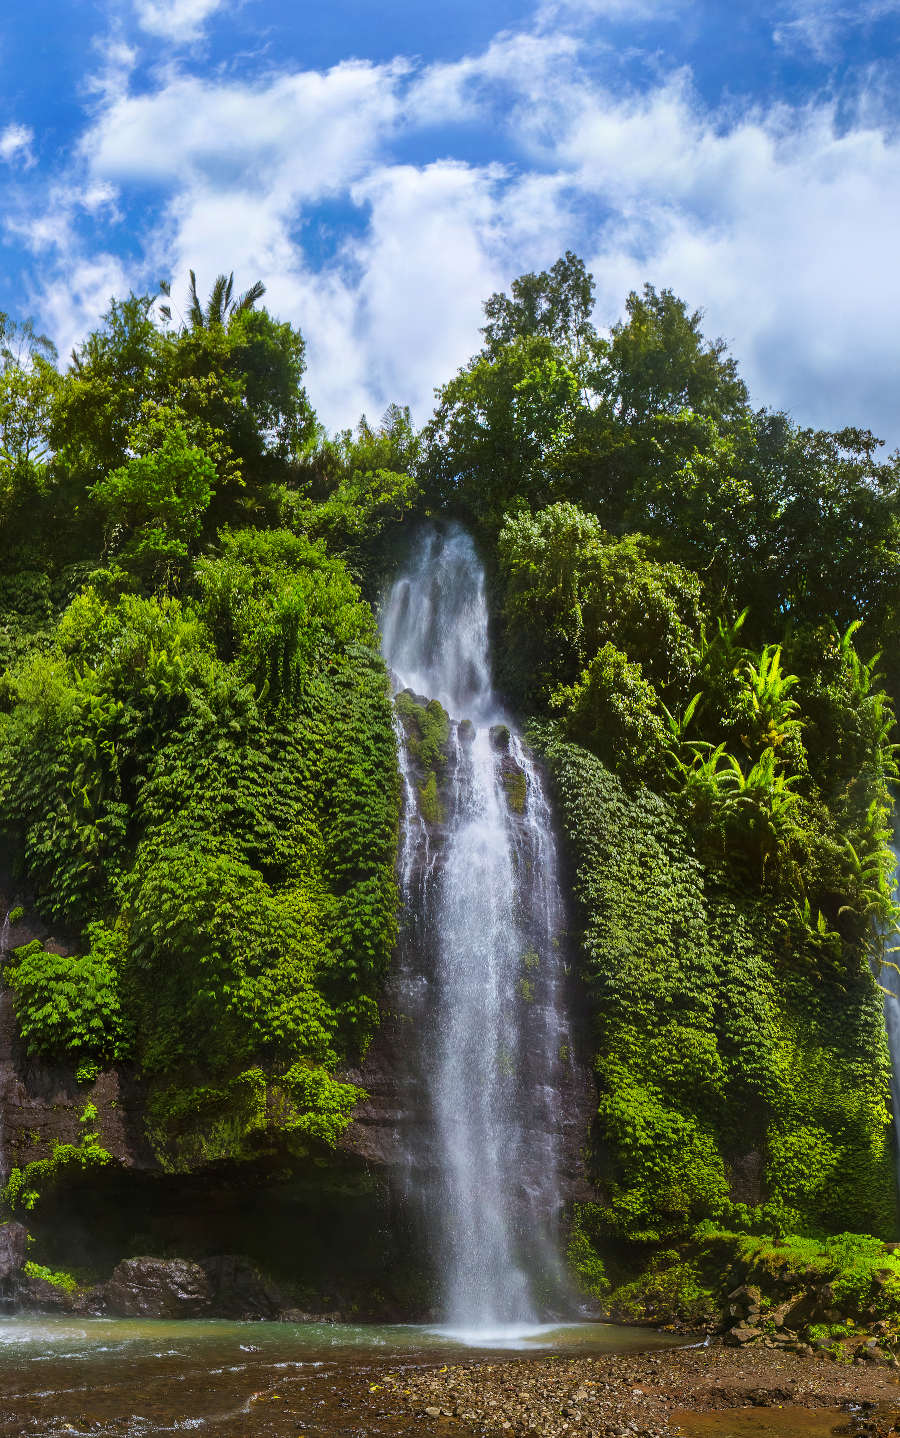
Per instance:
{"type": "Point", "coordinates": [888, 977]}
{"type": "Point", "coordinates": [481, 964]}
{"type": "Point", "coordinates": [4, 954]}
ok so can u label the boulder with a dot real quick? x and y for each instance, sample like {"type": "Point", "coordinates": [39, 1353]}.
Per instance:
{"type": "Point", "coordinates": [741, 1334]}
{"type": "Point", "coordinates": [801, 1311]}
{"type": "Point", "coordinates": [39, 1294]}
{"type": "Point", "coordinates": [13, 1248]}
{"type": "Point", "coordinates": [743, 1303]}
{"type": "Point", "coordinates": [158, 1288]}
{"type": "Point", "coordinates": [238, 1290]}
{"type": "Point", "coordinates": [465, 731]}
{"type": "Point", "coordinates": [500, 736]}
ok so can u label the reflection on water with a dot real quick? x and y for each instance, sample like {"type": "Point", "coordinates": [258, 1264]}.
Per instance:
{"type": "Point", "coordinates": [775, 1422]}
{"type": "Point", "coordinates": [135, 1378]}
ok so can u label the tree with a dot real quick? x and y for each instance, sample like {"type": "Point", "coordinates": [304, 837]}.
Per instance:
{"type": "Point", "coordinates": [658, 362]}
{"type": "Point", "coordinates": [500, 428]}
{"type": "Point", "coordinates": [557, 304]}
{"type": "Point", "coordinates": [220, 306]}
{"type": "Point", "coordinates": [28, 384]}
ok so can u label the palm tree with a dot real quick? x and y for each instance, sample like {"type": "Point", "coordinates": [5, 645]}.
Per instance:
{"type": "Point", "coordinates": [221, 308]}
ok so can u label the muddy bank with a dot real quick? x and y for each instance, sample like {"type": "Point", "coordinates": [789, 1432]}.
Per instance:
{"type": "Point", "coordinates": [645, 1395]}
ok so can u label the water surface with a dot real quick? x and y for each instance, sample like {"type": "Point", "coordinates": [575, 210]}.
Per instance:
{"type": "Point", "coordinates": [132, 1378]}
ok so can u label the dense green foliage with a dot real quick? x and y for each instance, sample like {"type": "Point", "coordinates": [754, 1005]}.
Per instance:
{"type": "Point", "coordinates": [716, 1037]}
{"type": "Point", "coordinates": [692, 596]}
{"type": "Point", "coordinates": [197, 763]}
{"type": "Point", "coordinates": [826, 1289]}
{"type": "Point", "coordinates": [198, 772]}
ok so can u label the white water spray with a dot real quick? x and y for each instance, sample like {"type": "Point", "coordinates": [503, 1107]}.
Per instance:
{"type": "Point", "coordinates": [481, 963]}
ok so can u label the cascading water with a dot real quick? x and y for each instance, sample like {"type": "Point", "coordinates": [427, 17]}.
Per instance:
{"type": "Point", "coordinates": [4, 952]}
{"type": "Point", "coordinates": [481, 965]}
{"type": "Point", "coordinates": [888, 977]}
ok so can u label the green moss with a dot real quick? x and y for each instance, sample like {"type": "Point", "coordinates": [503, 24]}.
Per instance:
{"type": "Point", "coordinates": [251, 1114]}
{"type": "Point", "coordinates": [25, 1186]}
{"type": "Point", "coordinates": [430, 806]}
{"type": "Point", "coordinates": [584, 1260]}
{"type": "Point", "coordinates": [500, 737]}
{"type": "Point", "coordinates": [427, 729]}
{"type": "Point", "coordinates": [65, 1281]}
{"type": "Point", "coordinates": [690, 1284]}
{"type": "Point", "coordinates": [515, 787]}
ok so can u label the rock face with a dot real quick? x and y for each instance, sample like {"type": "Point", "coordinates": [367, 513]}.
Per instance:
{"type": "Point", "coordinates": [40, 1104]}
{"type": "Point", "coordinates": [157, 1288]}
{"type": "Point", "coordinates": [238, 1290]}
{"type": "Point", "coordinates": [13, 1247]}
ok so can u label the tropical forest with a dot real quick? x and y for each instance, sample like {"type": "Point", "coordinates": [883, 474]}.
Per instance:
{"type": "Point", "coordinates": [447, 870]}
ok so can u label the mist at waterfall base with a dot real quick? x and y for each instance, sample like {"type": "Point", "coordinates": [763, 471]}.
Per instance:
{"type": "Point", "coordinates": [480, 969]}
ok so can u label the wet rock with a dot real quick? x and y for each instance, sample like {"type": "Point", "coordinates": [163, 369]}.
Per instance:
{"type": "Point", "coordinates": [46, 1297]}
{"type": "Point", "coordinates": [515, 785]}
{"type": "Point", "coordinates": [465, 731]}
{"type": "Point", "coordinates": [158, 1288]}
{"type": "Point", "coordinates": [500, 737]}
{"type": "Point", "coordinates": [13, 1248]}
{"type": "Point", "coordinates": [801, 1311]}
{"type": "Point", "coordinates": [239, 1290]}
{"type": "Point", "coordinates": [742, 1333]}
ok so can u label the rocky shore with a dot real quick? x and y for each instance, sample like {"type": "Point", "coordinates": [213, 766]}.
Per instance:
{"type": "Point", "coordinates": [648, 1395]}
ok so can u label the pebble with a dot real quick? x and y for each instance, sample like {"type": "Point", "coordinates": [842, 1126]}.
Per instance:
{"type": "Point", "coordinates": [633, 1395]}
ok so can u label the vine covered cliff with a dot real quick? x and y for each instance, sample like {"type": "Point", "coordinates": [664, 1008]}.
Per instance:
{"type": "Point", "coordinates": [695, 605]}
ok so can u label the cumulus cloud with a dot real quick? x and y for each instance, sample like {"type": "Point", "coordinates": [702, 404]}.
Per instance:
{"type": "Point", "coordinates": [15, 145]}
{"type": "Point", "coordinates": [304, 134]}
{"type": "Point", "coordinates": [179, 21]}
{"type": "Point", "coordinates": [777, 220]}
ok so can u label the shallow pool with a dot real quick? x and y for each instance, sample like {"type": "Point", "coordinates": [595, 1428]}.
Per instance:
{"type": "Point", "coordinates": [127, 1378]}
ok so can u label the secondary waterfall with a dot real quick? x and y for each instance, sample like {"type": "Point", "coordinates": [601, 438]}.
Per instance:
{"type": "Point", "coordinates": [889, 978]}
{"type": "Point", "coordinates": [481, 960]}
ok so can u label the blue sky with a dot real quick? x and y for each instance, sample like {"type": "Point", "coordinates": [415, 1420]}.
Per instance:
{"type": "Point", "coordinates": [384, 167]}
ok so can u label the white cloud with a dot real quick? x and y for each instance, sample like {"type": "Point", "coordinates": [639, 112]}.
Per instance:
{"type": "Point", "coordinates": [817, 25]}
{"type": "Point", "coordinates": [70, 306]}
{"type": "Point", "coordinates": [551, 12]}
{"type": "Point", "coordinates": [513, 65]}
{"type": "Point", "coordinates": [304, 134]}
{"type": "Point", "coordinates": [777, 221]}
{"type": "Point", "coordinates": [15, 145]}
{"type": "Point", "coordinates": [179, 21]}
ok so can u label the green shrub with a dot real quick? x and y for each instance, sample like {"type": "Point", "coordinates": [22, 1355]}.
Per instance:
{"type": "Point", "coordinates": [65, 1281]}
{"type": "Point", "coordinates": [712, 1038]}
{"type": "Point", "coordinates": [69, 1007]}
